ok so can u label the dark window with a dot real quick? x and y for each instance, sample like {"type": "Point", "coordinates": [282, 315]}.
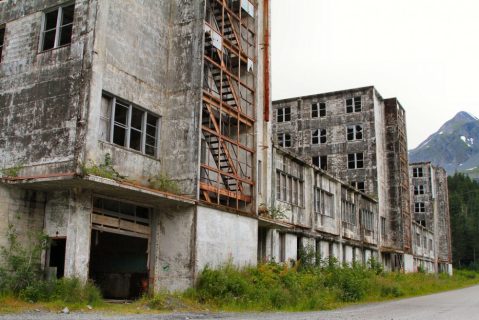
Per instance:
{"type": "Point", "coordinates": [2, 41]}
{"type": "Point", "coordinates": [284, 114]}
{"type": "Point", "coordinates": [419, 207]}
{"type": "Point", "coordinates": [315, 110]}
{"type": "Point", "coordinates": [417, 172]}
{"type": "Point", "coordinates": [321, 162]}
{"type": "Point", "coordinates": [284, 140]}
{"type": "Point", "coordinates": [418, 189]}
{"type": "Point", "coordinates": [57, 27]}
{"type": "Point", "coordinates": [358, 185]}
{"type": "Point", "coordinates": [131, 127]}
{"type": "Point", "coordinates": [353, 105]}
{"type": "Point", "coordinates": [322, 109]}
{"type": "Point", "coordinates": [355, 160]}
{"type": "Point", "coordinates": [383, 227]}
{"type": "Point", "coordinates": [355, 132]}
{"type": "Point", "coordinates": [318, 136]}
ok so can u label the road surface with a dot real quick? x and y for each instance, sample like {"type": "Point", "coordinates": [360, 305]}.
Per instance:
{"type": "Point", "coordinates": [453, 305]}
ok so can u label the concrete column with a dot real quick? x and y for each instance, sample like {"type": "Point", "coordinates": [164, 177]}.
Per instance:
{"type": "Point", "coordinates": [77, 254]}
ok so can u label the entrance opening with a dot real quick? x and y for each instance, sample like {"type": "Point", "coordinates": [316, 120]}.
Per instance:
{"type": "Point", "coordinates": [56, 257]}
{"type": "Point", "coordinates": [119, 264]}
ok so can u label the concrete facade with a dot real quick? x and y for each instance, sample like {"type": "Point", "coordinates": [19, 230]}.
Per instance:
{"type": "Point", "coordinates": [126, 87]}
{"type": "Point", "coordinates": [430, 207]}
{"type": "Point", "coordinates": [362, 140]}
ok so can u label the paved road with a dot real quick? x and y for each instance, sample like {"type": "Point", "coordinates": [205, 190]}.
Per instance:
{"type": "Point", "coordinates": [454, 305]}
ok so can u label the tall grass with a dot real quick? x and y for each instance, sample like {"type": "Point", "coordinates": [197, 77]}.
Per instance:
{"type": "Point", "coordinates": [276, 287]}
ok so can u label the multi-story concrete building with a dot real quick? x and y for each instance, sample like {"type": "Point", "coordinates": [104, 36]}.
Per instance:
{"type": "Point", "coordinates": [314, 211]}
{"type": "Point", "coordinates": [430, 207]}
{"type": "Point", "coordinates": [140, 89]}
{"type": "Point", "coordinates": [359, 137]}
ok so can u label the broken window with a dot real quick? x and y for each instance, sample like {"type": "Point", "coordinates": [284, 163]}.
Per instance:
{"type": "Point", "coordinates": [383, 227]}
{"type": "Point", "coordinates": [318, 109]}
{"type": "Point", "coordinates": [358, 185]}
{"type": "Point", "coordinates": [284, 140]}
{"type": "Point", "coordinates": [367, 219]}
{"type": "Point", "coordinates": [417, 172]}
{"type": "Point", "coordinates": [355, 132]}
{"type": "Point", "coordinates": [57, 27]}
{"type": "Point", "coordinates": [356, 160]}
{"type": "Point", "coordinates": [284, 114]}
{"type": "Point", "coordinates": [353, 105]}
{"type": "Point", "coordinates": [290, 184]}
{"type": "Point", "coordinates": [2, 41]}
{"type": "Point", "coordinates": [348, 212]}
{"type": "Point", "coordinates": [419, 207]}
{"type": "Point", "coordinates": [419, 189]}
{"type": "Point", "coordinates": [318, 136]}
{"type": "Point", "coordinates": [323, 202]}
{"type": "Point", "coordinates": [321, 162]}
{"type": "Point", "coordinates": [430, 244]}
{"type": "Point", "coordinates": [125, 125]}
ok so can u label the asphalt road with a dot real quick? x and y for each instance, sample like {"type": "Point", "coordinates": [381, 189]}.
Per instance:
{"type": "Point", "coordinates": [454, 305]}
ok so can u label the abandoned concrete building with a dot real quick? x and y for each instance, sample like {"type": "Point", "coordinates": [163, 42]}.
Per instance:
{"type": "Point", "coordinates": [359, 137]}
{"type": "Point", "coordinates": [104, 103]}
{"type": "Point", "coordinates": [431, 221]}
{"type": "Point", "coordinates": [140, 89]}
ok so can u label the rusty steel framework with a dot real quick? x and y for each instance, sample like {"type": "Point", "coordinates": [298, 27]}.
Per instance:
{"type": "Point", "coordinates": [228, 103]}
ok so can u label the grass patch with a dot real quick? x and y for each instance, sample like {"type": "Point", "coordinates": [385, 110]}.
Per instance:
{"type": "Point", "coordinates": [163, 182]}
{"type": "Point", "coordinates": [104, 170]}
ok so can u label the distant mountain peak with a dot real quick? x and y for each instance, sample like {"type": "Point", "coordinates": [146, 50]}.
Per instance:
{"type": "Point", "coordinates": [455, 146]}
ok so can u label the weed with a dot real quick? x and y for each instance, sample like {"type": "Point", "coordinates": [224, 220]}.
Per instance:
{"type": "Point", "coordinates": [12, 171]}
{"type": "Point", "coordinates": [273, 212]}
{"type": "Point", "coordinates": [163, 182]}
{"type": "Point", "coordinates": [104, 170]}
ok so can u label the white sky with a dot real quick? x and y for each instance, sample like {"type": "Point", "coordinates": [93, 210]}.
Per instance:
{"type": "Point", "coordinates": [424, 52]}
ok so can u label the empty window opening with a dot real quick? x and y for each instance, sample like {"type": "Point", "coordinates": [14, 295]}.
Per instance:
{"type": "Point", "coordinates": [323, 202]}
{"type": "Point", "coordinates": [57, 27]}
{"type": "Point", "coordinates": [2, 41]}
{"type": "Point", "coordinates": [358, 185]}
{"type": "Point", "coordinates": [321, 162]}
{"type": "Point", "coordinates": [284, 140]}
{"type": "Point", "coordinates": [348, 212]}
{"type": "Point", "coordinates": [418, 190]}
{"type": "Point", "coordinates": [355, 132]}
{"type": "Point", "coordinates": [419, 207]}
{"type": "Point", "coordinates": [128, 126]}
{"type": "Point", "coordinates": [56, 258]}
{"type": "Point", "coordinates": [262, 239]}
{"type": "Point", "coordinates": [282, 247]}
{"type": "Point", "coordinates": [318, 136]}
{"type": "Point", "coordinates": [356, 160]}
{"type": "Point", "coordinates": [284, 114]}
{"type": "Point", "coordinates": [383, 227]}
{"type": "Point", "coordinates": [417, 172]}
{"type": "Point", "coordinates": [367, 219]}
{"type": "Point", "coordinates": [353, 105]}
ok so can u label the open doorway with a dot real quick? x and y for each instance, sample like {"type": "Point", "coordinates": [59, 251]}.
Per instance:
{"type": "Point", "coordinates": [119, 264]}
{"type": "Point", "coordinates": [56, 257]}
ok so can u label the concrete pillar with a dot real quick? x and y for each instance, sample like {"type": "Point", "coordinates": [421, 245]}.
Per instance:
{"type": "Point", "coordinates": [348, 254]}
{"type": "Point", "coordinates": [77, 253]}
{"type": "Point", "coordinates": [324, 249]}
{"type": "Point", "coordinates": [358, 255]}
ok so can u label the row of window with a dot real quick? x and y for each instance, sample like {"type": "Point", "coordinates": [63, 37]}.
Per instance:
{"type": "Point", "coordinates": [319, 136]}
{"type": "Point", "coordinates": [56, 28]}
{"type": "Point", "coordinates": [424, 242]}
{"type": "Point", "coordinates": [323, 202]}
{"type": "Point", "coordinates": [289, 189]}
{"type": "Point", "coordinates": [318, 109]}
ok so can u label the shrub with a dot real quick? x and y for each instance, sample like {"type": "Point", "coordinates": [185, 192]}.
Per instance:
{"type": "Point", "coordinates": [104, 170]}
{"type": "Point", "coordinates": [164, 183]}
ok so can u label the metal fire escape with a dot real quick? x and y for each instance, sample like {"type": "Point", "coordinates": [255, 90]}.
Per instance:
{"type": "Point", "coordinates": [228, 110]}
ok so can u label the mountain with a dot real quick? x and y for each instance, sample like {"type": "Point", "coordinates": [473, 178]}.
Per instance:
{"type": "Point", "coordinates": [455, 146]}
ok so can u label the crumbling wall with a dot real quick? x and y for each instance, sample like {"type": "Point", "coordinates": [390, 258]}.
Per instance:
{"type": "Point", "coordinates": [42, 94]}
{"type": "Point", "coordinates": [443, 231]}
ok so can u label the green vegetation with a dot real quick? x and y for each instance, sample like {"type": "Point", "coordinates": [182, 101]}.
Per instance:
{"type": "Point", "coordinates": [464, 210]}
{"type": "Point", "coordinates": [21, 276]}
{"type": "Point", "coordinates": [104, 170]}
{"type": "Point", "coordinates": [12, 171]}
{"type": "Point", "coordinates": [277, 287]}
{"type": "Point", "coordinates": [163, 182]}
{"type": "Point", "coordinates": [273, 212]}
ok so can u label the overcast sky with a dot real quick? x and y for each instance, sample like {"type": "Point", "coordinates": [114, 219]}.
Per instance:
{"type": "Point", "coordinates": [424, 52]}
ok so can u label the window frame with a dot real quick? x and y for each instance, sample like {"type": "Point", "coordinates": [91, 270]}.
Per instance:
{"type": "Point", "coordinates": [355, 132]}
{"type": "Point", "coordinates": [354, 105]}
{"type": "Point", "coordinates": [419, 207]}
{"type": "Point", "coordinates": [322, 162]}
{"type": "Point", "coordinates": [356, 161]}
{"type": "Point", "coordinates": [282, 115]}
{"type": "Point", "coordinates": [417, 172]}
{"type": "Point", "coordinates": [319, 136]}
{"type": "Point", "coordinates": [283, 138]}
{"type": "Point", "coordinates": [419, 190]}
{"type": "Point", "coordinates": [58, 26]}
{"type": "Point", "coordinates": [112, 124]}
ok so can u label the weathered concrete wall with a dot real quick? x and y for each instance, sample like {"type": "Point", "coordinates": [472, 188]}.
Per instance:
{"type": "Point", "coordinates": [174, 236]}
{"type": "Point", "coordinates": [24, 210]}
{"type": "Point", "coordinates": [223, 237]}
{"type": "Point", "coordinates": [42, 94]}
{"type": "Point", "coordinates": [443, 229]}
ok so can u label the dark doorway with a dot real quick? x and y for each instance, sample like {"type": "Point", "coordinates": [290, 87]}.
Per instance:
{"type": "Point", "coordinates": [56, 258]}
{"type": "Point", "coordinates": [118, 265]}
